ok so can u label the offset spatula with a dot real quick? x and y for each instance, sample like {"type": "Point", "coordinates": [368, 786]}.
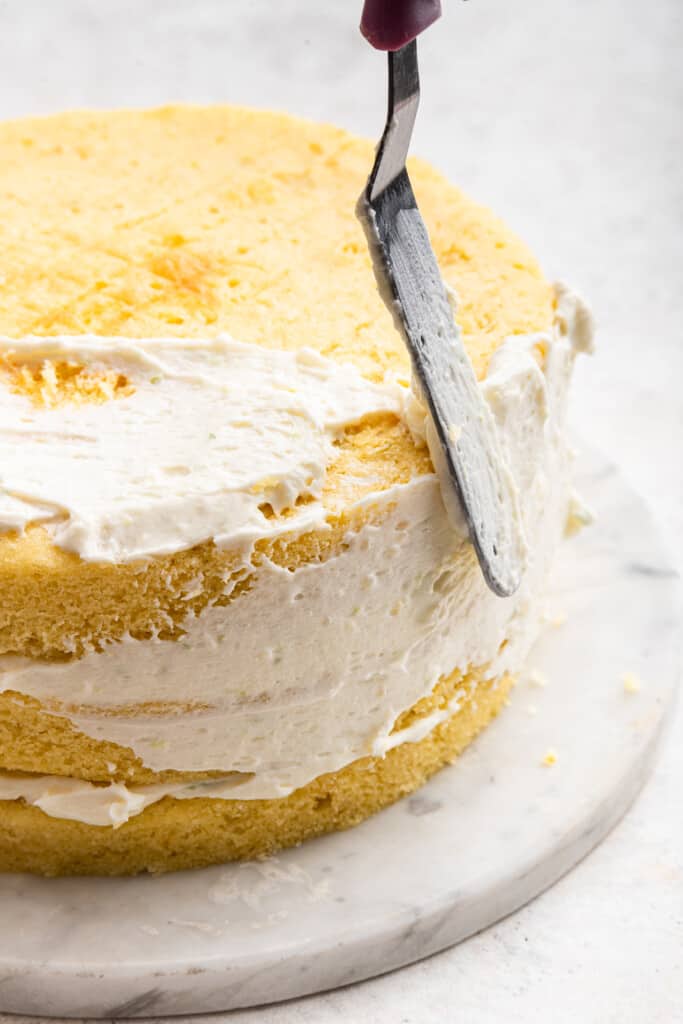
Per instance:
{"type": "Point", "coordinates": [410, 283]}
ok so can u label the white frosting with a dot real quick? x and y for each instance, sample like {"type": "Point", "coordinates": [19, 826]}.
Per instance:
{"type": "Point", "coordinates": [213, 430]}
{"type": "Point", "coordinates": [308, 670]}
{"type": "Point", "coordinates": [115, 803]}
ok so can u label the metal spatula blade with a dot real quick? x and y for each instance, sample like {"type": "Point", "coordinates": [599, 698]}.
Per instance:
{"type": "Point", "coordinates": [410, 282]}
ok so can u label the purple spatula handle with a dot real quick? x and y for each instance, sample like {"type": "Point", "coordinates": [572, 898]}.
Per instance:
{"type": "Point", "coordinates": [390, 24]}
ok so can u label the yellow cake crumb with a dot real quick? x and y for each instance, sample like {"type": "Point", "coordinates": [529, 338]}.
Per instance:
{"type": "Point", "coordinates": [631, 682]}
{"type": "Point", "coordinates": [578, 517]}
{"type": "Point", "coordinates": [557, 619]}
{"type": "Point", "coordinates": [550, 758]}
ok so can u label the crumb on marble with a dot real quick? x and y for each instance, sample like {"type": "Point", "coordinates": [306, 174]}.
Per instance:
{"type": "Point", "coordinates": [578, 516]}
{"type": "Point", "coordinates": [148, 929]}
{"type": "Point", "coordinates": [557, 619]}
{"type": "Point", "coordinates": [537, 678]}
{"type": "Point", "coordinates": [550, 758]}
{"type": "Point", "coordinates": [631, 682]}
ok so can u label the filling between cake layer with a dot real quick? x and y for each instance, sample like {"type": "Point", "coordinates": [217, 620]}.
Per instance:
{"type": "Point", "coordinates": [324, 659]}
{"type": "Point", "coordinates": [115, 803]}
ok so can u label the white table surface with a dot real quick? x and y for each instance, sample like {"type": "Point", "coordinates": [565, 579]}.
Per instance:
{"type": "Point", "coordinates": [565, 117]}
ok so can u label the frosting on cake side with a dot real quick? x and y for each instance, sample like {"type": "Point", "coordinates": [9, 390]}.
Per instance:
{"type": "Point", "coordinates": [361, 636]}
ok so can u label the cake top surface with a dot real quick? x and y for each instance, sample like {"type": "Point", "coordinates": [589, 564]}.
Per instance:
{"type": "Point", "coordinates": [192, 221]}
{"type": "Point", "coordinates": [196, 223]}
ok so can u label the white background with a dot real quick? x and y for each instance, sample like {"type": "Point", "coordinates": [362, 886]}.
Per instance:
{"type": "Point", "coordinates": [566, 116]}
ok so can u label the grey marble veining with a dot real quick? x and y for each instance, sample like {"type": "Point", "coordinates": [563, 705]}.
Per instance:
{"type": "Point", "coordinates": [565, 118]}
{"type": "Point", "coordinates": [481, 839]}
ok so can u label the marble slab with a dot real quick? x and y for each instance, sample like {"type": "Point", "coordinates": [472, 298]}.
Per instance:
{"type": "Point", "coordinates": [482, 838]}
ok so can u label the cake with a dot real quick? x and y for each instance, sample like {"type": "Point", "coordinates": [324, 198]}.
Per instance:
{"type": "Point", "coordinates": [234, 614]}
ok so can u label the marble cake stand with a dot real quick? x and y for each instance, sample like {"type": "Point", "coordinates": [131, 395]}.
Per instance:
{"type": "Point", "coordinates": [478, 841]}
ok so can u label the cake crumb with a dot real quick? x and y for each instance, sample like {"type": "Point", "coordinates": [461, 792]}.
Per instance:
{"type": "Point", "coordinates": [550, 619]}
{"type": "Point", "coordinates": [148, 929]}
{"type": "Point", "coordinates": [631, 682]}
{"type": "Point", "coordinates": [537, 678]}
{"type": "Point", "coordinates": [578, 516]}
{"type": "Point", "coordinates": [550, 758]}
